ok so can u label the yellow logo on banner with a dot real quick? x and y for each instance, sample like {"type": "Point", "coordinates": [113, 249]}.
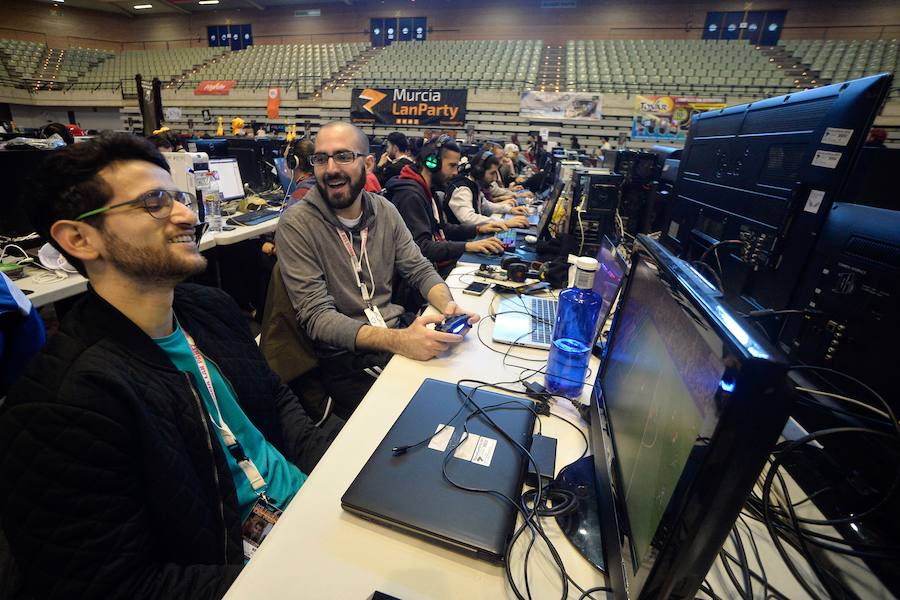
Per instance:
{"type": "Point", "coordinates": [373, 97]}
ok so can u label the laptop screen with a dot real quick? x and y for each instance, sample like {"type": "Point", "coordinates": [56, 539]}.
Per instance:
{"type": "Point", "coordinates": [284, 174]}
{"type": "Point", "coordinates": [230, 183]}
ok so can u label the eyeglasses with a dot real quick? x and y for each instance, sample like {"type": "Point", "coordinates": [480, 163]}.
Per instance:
{"type": "Point", "coordinates": [156, 202]}
{"type": "Point", "coordinates": [341, 157]}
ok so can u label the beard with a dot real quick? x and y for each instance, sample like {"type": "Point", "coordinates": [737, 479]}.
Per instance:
{"type": "Point", "coordinates": [345, 196]}
{"type": "Point", "coordinates": [438, 181]}
{"type": "Point", "coordinates": [157, 265]}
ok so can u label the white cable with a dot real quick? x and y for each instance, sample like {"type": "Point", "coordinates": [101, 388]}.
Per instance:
{"type": "Point", "coordinates": [844, 399]}
{"type": "Point", "coordinates": [581, 226]}
{"type": "Point", "coordinates": [8, 246]}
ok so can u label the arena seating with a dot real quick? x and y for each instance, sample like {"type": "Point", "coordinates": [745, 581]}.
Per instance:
{"type": "Point", "coordinates": [490, 64]}
{"type": "Point", "coordinates": [165, 64]}
{"type": "Point", "coordinates": [21, 58]}
{"type": "Point", "coordinates": [671, 66]}
{"type": "Point", "coordinates": [839, 60]}
{"type": "Point", "coordinates": [306, 65]}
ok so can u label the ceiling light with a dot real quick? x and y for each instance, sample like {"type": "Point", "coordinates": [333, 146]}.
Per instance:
{"type": "Point", "coordinates": [142, 6]}
{"type": "Point", "coordinates": [208, 2]}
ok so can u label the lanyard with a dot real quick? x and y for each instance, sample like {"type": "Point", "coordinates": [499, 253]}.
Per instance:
{"type": "Point", "coordinates": [356, 263]}
{"type": "Point", "coordinates": [234, 446]}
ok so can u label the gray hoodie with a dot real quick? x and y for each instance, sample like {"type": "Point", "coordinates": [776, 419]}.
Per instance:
{"type": "Point", "coordinates": [318, 273]}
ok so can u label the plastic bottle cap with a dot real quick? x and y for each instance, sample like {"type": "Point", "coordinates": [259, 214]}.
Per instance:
{"type": "Point", "coordinates": [587, 263]}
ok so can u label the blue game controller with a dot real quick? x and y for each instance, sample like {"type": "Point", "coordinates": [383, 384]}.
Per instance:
{"type": "Point", "coordinates": [458, 325]}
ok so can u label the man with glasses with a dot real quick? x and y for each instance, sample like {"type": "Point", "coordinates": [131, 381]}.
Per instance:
{"type": "Point", "coordinates": [339, 251]}
{"type": "Point", "coordinates": [150, 428]}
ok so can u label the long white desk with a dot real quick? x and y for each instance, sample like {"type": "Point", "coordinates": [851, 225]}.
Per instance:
{"type": "Point", "coordinates": [46, 292]}
{"type": "Point", "coordinates": [317, 550]}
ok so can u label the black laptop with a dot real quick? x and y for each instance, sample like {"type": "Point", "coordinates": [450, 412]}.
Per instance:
{"type": "Point", "coordinates": [408, 492]}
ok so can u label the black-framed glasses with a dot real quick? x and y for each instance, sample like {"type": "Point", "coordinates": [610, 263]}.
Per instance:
{"type": "Point", "coordinates": [156, 202]}
{"type": "Point", "coordinates": [341, 157]}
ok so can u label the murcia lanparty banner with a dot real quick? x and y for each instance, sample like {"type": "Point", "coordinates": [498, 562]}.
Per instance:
{"type": "Point", "coordinates": [406, 106]}
{"type": "Point", "coordinates": [668, 117]}
{"type": "Point", "coordinates": [560, 105]}
{"type": "Point", "coordinates": [214, 87]}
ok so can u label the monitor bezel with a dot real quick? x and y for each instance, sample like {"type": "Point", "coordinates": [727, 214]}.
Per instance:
{"type": "Point", "coordinates": [700, 518]}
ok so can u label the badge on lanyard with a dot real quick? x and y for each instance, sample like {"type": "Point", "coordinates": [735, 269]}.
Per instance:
{"type": "Point", "coordinates": [258, 524]}
{"type": "Point", "coordinates": [374, 317]}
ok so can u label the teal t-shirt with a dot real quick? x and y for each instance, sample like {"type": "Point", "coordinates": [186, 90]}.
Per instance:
{"type": "Point", "coordinates": [283, 479]}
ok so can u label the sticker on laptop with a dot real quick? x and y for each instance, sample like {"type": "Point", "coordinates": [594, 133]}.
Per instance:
{"type": "Point", "coordinates": [814, 202]}
{"type": "Point", "coordinates": [837, 136]}
{"type": "Point", "coordinates": [824, 158]}
{"type": "Point", "coordinates": [441, 437]}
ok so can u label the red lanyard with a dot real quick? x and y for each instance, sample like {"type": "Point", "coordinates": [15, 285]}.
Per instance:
{"type": "Point", "coordinates": [231, 442]}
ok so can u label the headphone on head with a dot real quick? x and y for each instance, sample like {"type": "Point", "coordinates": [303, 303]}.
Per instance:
{"type": "Point", "coordinates": [292, 161]}
{"type": "Point", "coordinates": [432, 160]}
{"type": "Point", "coordinates": [478, 169]}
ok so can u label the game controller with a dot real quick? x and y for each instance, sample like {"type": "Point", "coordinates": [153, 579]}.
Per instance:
{"type": "Point", "coordinates": [458, 324]}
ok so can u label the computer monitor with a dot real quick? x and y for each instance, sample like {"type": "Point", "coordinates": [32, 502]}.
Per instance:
{"type": "Point", "coordinates": [608, 280]}
{"type": "Point", "coordinates": [214, 147]}
{"type": "Point", "coordinates": [16, 168]}
{"type": "Point", "coordinates": [543, 226]}
{"type": "Point", "coordinates": [686, 407]}
{"type": "Point", "coordinates": [766, 175]}
{"type": "Point", "coordinates": [230, 183]}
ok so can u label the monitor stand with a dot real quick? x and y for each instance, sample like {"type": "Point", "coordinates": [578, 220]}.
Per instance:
{"type": "Point", "coordinates": [582, 525]}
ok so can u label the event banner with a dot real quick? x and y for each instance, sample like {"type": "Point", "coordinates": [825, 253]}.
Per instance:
{"type": "Point", "coordinates": [405, 106]}
{"type": "Point", "coordinates": [668, 117]}
{"type": "Point", "coordinates": [214, 87]}
{"type": "Point", "coordinates": [560, 105]}
{"type": "Point", "coordinates": [273, 104]}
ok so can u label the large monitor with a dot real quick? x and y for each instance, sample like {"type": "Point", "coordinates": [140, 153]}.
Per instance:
{"type": "Point", "coordinates": [230, 183]}
{"type": "Point", "coordinates": [764, 176]}
{"type": "Point", "coordinates": [686, 407]}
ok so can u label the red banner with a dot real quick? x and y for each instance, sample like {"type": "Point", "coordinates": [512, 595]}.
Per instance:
{"type": "Point", "coordinates": [214, 87]}
{"type": "Point", "coordinates": [274, 103]}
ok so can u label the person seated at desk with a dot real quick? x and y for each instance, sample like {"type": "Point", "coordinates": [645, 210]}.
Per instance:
{"type": "Point", "coordinates": [466, 200]}
{"type": "Point", "coordinates": [395, 156]}
{"type": "Point", "coordinates": [140, 438]}
{"type": "Point", "coordinates": [412, 192]}
{"type": "Point", "coordinates": [340, 251]}
{"type": "Point", "coordinates": [301, 170]}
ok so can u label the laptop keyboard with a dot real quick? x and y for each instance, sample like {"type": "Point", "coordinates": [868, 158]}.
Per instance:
{"type": "Point", "coordinates": [543, 316]}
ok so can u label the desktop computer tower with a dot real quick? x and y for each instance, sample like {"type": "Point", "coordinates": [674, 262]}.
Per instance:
{"type": "Point", "coordinates": [596, 197]}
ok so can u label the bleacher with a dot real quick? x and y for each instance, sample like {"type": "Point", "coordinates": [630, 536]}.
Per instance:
{"type": "Point", "coordinates": [167, 65]}
{"type": "Point", "coordinates": [486, 64]}
{"type": "Point", "coordinates": [21, 58]}
{"type": "Point", "coordinates": [671, 66]}
{"type": "Point", "coordinates": [286, 65]}
{"type": "Point", "coordinates": [839, 60]}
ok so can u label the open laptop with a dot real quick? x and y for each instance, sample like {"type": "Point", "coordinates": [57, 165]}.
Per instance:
{"type": "Point", "coordinates": [408, 491]}
{"type": "Point", "coordinates": [230, 183]}
{"type": "Point", "coordinates": [528, 321]}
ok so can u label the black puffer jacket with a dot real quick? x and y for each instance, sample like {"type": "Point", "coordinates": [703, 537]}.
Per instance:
{"type": "Point", "coordinates": [113, 484]}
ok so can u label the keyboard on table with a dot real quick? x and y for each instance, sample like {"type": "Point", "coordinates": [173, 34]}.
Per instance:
{"type": "Point", "coordinates": [543, 317]}
{"type": "Point", "coordinates": [254, 217]}
{"type": "Point", "coordinates": [508, 239]}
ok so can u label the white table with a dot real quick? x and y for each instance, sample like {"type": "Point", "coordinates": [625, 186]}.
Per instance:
{"type": "Point", "coordinates": [71, 284]}
{"type": "Point", "coordinates": [317, 550]}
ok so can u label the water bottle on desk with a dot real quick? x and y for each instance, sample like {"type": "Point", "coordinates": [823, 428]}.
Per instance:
{"type": "Point", "coordinates": [212, 199]}
{"type": "Point", "coordinates": [573, 333]}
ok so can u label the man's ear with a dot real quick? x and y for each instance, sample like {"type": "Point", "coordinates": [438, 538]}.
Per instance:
{"type": "Point", "coordinates": [370, 163]}
{"type": "Point", "coordinates": [77, 238]}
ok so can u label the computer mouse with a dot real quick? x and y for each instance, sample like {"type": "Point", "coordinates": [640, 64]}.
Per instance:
{"type": "Point", "coordinates": [457, 324]}
{"type": "Point", "coordinates": [531, 239]}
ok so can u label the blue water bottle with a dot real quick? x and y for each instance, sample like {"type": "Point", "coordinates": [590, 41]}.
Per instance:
{"type": "Point", "coordinates": [573, 333]}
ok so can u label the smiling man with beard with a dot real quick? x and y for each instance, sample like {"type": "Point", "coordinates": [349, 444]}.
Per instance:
{"type": "Point", "coordinates": [150, 427]}
{"type": "Point", "coordinates": [339, 251]}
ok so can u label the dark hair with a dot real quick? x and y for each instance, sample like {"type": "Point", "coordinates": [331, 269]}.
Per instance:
{"type": "Point", "coordinates": [481, 164]}
{"type": "Point", "coordinates": [74, 187]}
{"type": "Point", "coordinates": [59, 129]}
{"type": "Point", "coordinates": [303, 149]}
{"type": "Point", "coordinates": [161, 140]}
{"type": "Point", "coordinates": [430, 148]}
{"type": "Point", "coordinates": [399, 140]}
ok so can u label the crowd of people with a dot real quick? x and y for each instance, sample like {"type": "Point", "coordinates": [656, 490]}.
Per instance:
{"type": "Point", "coordinates": [145, 443]}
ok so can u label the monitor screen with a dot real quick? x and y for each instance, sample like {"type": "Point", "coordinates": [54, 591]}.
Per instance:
{"type": "Point", "coordinates": [230, 183]}
{"type": "Point", "coordinates": [660, 383]}
{"type": "Point", "coordinates": [284, 174]}
{"type": "Point", "coordinates": [549, 208]}
{"type": "Point", "coordinates": [608, 278]}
